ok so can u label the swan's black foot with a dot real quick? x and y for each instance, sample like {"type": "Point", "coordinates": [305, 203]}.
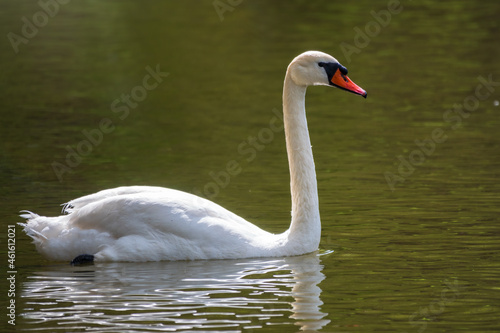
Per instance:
{"type": "Point", "coordinates": [83, 259]}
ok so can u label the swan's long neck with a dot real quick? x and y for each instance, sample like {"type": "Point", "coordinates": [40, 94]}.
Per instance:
{"type": "Point", "coordinates": [306, 226]}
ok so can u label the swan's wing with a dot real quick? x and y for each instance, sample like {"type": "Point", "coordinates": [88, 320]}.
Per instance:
{"type": "Point", "coordinates": [161, 211]}
{"type": "Point", "coordinates": [78, 203]}
{"type": "Point", "coordinates": [167, 224]}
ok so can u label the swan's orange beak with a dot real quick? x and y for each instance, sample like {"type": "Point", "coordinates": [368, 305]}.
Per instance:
{"type": "Point", "coordinates": [343, 82]}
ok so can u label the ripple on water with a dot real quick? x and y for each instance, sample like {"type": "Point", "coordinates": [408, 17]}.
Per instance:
{"type": "Point", "coordinates": [172, 296]}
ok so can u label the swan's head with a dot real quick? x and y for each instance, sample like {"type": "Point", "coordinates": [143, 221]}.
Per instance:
{"type": "Point", "coordinates": [318, 68]}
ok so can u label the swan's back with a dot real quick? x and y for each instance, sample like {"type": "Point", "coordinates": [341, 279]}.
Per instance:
{"type": "Point", "coordinates": [143, 223]}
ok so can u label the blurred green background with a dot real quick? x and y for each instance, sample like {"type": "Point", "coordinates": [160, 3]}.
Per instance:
{"type": "Point", "coordinates": [398, 219]}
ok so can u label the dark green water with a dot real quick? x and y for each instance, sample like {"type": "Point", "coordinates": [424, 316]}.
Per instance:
{"type": "Point", "coordinates": [408, 178]}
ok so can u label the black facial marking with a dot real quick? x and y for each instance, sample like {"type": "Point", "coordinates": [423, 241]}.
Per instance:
{"type": "Point", "coordinates": [331, 68]}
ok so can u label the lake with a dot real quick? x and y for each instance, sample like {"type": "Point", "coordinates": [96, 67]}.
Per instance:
{"type": "Point", "coordinates": [96, 95]}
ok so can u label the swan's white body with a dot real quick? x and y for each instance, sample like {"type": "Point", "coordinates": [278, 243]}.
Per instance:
{"type": "Point", "coordinates": [145, 223]}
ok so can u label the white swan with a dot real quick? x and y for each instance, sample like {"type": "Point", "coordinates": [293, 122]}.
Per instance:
{"type": "Point", "coordinates": [144, 223]}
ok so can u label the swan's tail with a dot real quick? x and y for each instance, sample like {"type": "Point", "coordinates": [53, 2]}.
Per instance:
{"type": "Point", "coordinates": [59, 238]}
{"type": "Point", "coordinates": [30, 229]}
{"type": "Point", "coordinates": [47, 233]}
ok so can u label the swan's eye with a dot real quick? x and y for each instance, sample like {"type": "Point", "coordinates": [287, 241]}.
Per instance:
{"type": "Point", "coordinates": [321, 64]}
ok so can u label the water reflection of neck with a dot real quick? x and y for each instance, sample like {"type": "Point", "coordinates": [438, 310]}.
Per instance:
{"type": "Point", "coordinates": [306, 309]}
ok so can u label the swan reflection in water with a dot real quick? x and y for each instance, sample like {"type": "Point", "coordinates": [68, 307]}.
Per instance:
{"type": "Point", "coordinates": [170, 296]}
